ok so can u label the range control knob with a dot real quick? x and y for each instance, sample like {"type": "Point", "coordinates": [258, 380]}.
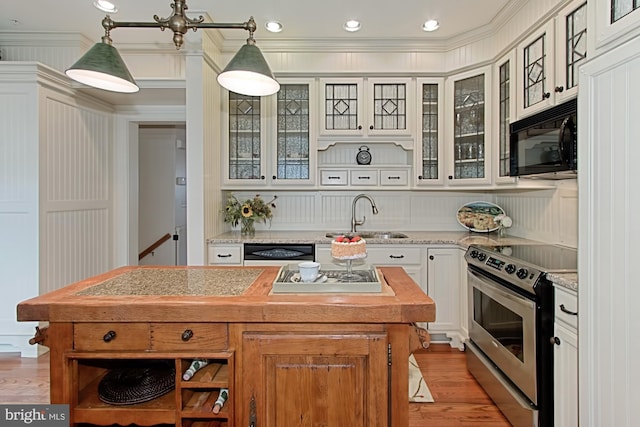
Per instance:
{"type": "Point", "coordinates": [482, 256]}
{"type": "Point", "coordinates": [510, 269]}
{"type": "Point", "coordinates": [473, 253]}
{"type": "Point", "coordinates": [522, 273]}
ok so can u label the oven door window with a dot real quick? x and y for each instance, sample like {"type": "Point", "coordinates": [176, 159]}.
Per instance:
{"type": "Point", "coordinates": [503, 324]}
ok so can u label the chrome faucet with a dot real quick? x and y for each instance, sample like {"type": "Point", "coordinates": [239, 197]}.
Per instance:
{"type": "Point", "coordinates": [354, 221]}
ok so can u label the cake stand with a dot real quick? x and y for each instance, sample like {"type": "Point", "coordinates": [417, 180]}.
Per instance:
{"type": "Point", "coordinates": [350, 275]}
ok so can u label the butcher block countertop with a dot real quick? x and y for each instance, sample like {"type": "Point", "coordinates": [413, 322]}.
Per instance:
{"type": "Point", "coordinates": [222, 294]}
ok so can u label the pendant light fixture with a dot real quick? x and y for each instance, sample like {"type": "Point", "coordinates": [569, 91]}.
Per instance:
{"type": "Point", "coordinates": [247, 73]}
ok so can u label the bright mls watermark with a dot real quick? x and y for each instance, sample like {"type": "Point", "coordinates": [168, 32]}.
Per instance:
{"type": "Point", "coordinates": [34, 415]}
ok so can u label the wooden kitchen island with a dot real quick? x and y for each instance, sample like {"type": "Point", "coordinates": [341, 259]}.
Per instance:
{"type": "Point", "coordinates": [330, 359]}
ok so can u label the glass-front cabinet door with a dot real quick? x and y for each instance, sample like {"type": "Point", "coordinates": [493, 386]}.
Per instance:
{"type": "Point", "coordinates": [294, 160]}
{"type": "Point", "coordinates": [504, 80]}
{"type": "Point", "coordinates": [428, 163]}
{"type": "Point", "coordinates": [571, 48]}
{"type": "Point", "coordinates": [470, 127]}
{"type": "Point", "coordinates": [245, 147]}
{"type": "Point", "coordinates": [271, 140]}
{"type": "Point", "coordinates": [358, 107]}
{"type": "Point", "coordinates": [536, 71]}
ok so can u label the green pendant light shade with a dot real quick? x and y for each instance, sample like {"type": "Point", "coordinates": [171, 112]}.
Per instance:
{"type": "Point", "coordinates": [248, 73]}
{"type": "Point", "coordinates": [103, 67]}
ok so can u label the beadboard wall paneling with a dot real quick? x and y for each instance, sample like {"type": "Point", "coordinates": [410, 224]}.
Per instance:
{"type": "Point", "coordinates": [546, 215]}
{"type": "Point", "coordinates": [56, 50]}
{"type": "Point", "coordinates": [75, 170]}
{"type": "Point", "coordinates": [18, 209]}
{"type": "Point", "coordinates": [77, 245]}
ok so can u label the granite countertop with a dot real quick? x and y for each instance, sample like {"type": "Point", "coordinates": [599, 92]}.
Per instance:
{"type": "Point", "coordinates": [458, 238]}
{"type": "Point", "coordinates": [565, 280]}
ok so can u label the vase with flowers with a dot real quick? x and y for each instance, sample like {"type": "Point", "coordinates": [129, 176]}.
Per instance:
{"type": "Point", "coordinates": [247, 212]}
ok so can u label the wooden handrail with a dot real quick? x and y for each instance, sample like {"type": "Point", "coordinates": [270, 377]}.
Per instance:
{"type": "Point", "coordinates": [154, 246]}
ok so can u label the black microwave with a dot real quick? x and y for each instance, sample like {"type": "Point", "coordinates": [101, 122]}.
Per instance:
{"type": "Point", "coordinates": [544, 145]}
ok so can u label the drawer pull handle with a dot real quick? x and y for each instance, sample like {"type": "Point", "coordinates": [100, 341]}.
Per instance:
{"type": "Point", "coordinates": [224, 255]}
{"type": "Point", "coordinates": [334, 177]}
{"type": "Point", "coordinates": [564, 310]}
{"type": "Point", "coordinates": [393, 177]}
{"type": "Point", "coordinates": [364, 177]}
{"type": "Point", "coordinates": [187, 335]}
{"type": "Point", "coordinates": [396, 256]}
{"type": "Point", "coordinates": [109, 336]}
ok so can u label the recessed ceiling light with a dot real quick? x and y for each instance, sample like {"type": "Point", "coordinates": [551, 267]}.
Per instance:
{"type": "Point", "coordinates": [273, 26]}
{"type": "Point", "coordinates": [352, 25]}
{"type": "Point", "coordinates": [106, 6]}
{"type": "Point", "coordinates": [430, 25]}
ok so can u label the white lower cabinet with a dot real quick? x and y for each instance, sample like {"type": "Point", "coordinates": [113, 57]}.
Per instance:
{"type": "Point", "coordinates": [565, 358]}
{"type": "Point", "coordinates": [444, 285]}
{"type": "Point", "coordinates": [227, 254]}
{"type": "Point", "coordinates": [405, 256]}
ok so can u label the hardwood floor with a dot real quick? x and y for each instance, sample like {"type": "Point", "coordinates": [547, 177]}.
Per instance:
{"type": "Point", "coordinates": [459, 400]}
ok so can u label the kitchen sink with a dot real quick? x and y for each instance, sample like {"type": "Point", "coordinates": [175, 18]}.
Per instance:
{"type": "Point", "coordinates": [370, 234]}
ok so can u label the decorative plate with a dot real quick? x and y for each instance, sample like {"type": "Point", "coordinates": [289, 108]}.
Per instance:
{"type": "Point", "coordinates": [478, 216]}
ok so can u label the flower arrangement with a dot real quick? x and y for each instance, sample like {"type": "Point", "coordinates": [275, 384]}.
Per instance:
{"type": "Point", "coordinates": [248, 211]}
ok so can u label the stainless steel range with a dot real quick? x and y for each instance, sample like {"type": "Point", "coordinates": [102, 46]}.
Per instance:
{"type": "Point", "coordinates": [511, 325]}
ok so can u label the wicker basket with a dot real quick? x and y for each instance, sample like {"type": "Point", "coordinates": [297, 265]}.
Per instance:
{"type": "Point", "coordinates": [137, 383]}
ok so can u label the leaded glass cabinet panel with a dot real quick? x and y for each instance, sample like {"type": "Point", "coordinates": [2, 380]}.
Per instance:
{"type": "Point", "coordinates": [504, 113]}
{"type": "Point", "coordinates": [469, 128]}
{"type": "Point", "coordinates": [430, 131]}
{"type": "Point", "coordinates": [571, 49]}
{"type": "Point", "coordinates": [293, 133]}
{"type": "Point", "coordinates": [245, 148]}
{"type": "Point", "coordinates": [621, 8]}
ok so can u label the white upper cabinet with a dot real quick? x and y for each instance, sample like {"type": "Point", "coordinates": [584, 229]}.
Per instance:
{"type": "Point", "coordinates": [536, 69]}
{"type": "Point", "coordinates": [294, 137]}
{"type": "Point", "coordinates": [571, 48]}
{"type": "Point", "coordinates": [244, 153]}
{"type": "Point", "coordinates": [430, 131]}
{"type": "Point", "coordinates": [548, 60]}
{"type": "Point", "coordinates": [468, 127]}
{"type": "Point", "coordinates": [504, 111]}
{"type": "Point", "coordinates": [354, 107]}
{"type": "Point", "coordinates": [271, 140]}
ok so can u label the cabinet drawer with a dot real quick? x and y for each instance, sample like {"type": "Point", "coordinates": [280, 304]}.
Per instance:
{"type": "Point", "coordinates": [364, 177]}
{"type": "Point", "coordinates": [183, 336]}
{"type": "Point", "coordinates": [225, 254]}
{"type": "Point", "coordinates": [392, 255]}
{"type": "Point", "coordinates": [569, 301]}
{"type": "Point", "coordinates": [394, 177]}
{"type": "Point", "coordinates": [333, 177]}
{"type": "Point", "coordinates": [111, 336]}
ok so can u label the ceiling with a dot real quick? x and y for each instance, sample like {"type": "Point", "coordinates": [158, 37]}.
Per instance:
{"type": "Point", "coordinates": [302, 19]}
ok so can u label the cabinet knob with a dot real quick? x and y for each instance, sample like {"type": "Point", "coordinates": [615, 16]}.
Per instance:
{"type": "Point", "coordinates": [450, 176]}
{"type": "Point", "coordinates": [109, 336]}
{"type": "Point", "coordinates": [431, 257]}
{"type": "Point", "coordinates": [559, 89]}
{"type": "Point", "coordinates": [187, 335]}
{"type": "Point", "coordinates": [371, 127]}
{"type": "Point", "coordinates": [546, 95]}
{"type": "Point", "coordinates": [274, 177]}
{"type": "Point", "coordinates": [261, 176]}
{"type": "Point", "coordinates": [420, 177]}
{"type": "Point", "coordinates": [555, 340]}
{"type": "Point", "coordinates": [359, 127]}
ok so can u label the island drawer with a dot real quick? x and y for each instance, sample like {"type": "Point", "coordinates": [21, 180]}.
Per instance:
{"type": "Point", "coordinates": [181, 336]}
{"type": "Point", "coordinates": [111, 336]}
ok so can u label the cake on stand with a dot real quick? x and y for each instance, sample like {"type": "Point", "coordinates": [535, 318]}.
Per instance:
{"type": "Point", "coordinates": [346, 250]}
